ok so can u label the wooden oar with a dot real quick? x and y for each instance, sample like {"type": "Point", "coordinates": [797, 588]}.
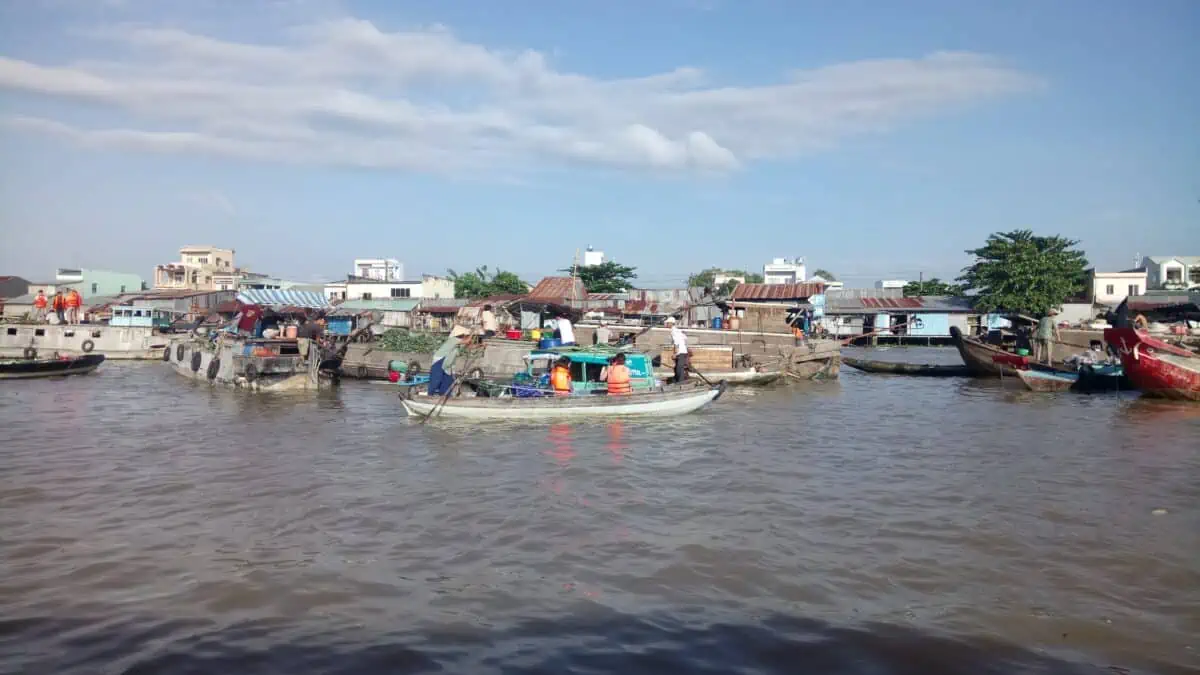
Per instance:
{"type": "Point", "coordinates": [457, 384]}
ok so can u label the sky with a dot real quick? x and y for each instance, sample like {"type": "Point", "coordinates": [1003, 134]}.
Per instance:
{"type": "Point", "coordinates": [875, 139]}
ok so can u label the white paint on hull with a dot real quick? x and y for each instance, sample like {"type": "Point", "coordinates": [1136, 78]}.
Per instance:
{"type": "Point", "coordinates": [115, 343]}
{"type": "Point", "coordinates": [639, 405]}
{"type": "Point", "coordinates": [227, 375]}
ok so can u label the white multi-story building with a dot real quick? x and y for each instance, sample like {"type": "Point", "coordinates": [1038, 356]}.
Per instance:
{"type": "Point", "coordinates": [1110, 288]}
{"type": "Point", "coordinates": [380, 269]}
{"type": "Point", "coordinates": [198, 269]}
{"type": "Point", "coordinates": [784, 271]}
{"type": "Point", "coordinates": [362, 288]}
{"type": "Point", "coordinates": [1172, 272]}
{"type": "Point", "coordinates": [891, 283]}
{"type": "Point", "coordinates": [721, 278]}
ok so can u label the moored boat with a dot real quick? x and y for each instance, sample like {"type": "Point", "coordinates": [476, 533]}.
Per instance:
{"type": "Point", "coordinates": [746, 377]}
{"type": "Point", "coordinates": [258, 364]}
{"type": "Point", "coordinates": [917, 369]}
{"type": "Point", "coordinates": [1047, 381]}
{"type": "Point", "coordinates": [114, 342]}
{"type": "Point", "coordinates": [1154, 367]}
{"type": "Point", "coordinates": [26, 369]}
{"type": "Point", "coordinates": [667, 402]}
{"type": "Point", "coordinates": [980, 357]}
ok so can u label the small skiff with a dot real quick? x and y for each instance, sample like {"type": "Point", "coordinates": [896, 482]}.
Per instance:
{"type": "Point", "coordinates": [25, 369]}
{"type": "Point", "coordinates": [917, 369]}
{"type": "Point", "coordinates": [666, 403]}
{"type": "Point", "coordinates": [1044, 381]}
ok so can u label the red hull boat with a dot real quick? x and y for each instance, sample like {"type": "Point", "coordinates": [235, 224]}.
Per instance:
{"type": "Point", "coordinates": [1155, 367]}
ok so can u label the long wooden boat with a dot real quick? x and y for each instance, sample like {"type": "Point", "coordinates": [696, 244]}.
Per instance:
{"type": "Point", "coordinates": [668, 402]}
{"type": "Point", "coordinates": [26, 369]}
{"type": "Point", "coordinates": [917, 369]}
{"type": "Point", "coordinates": [746, 377]}
{"type": "Point", "coordinates": [256, 364]}
{"type": "Point", "coordinates": [1154, 367]}
{"type": "Point", "coordinates": [979, 357]}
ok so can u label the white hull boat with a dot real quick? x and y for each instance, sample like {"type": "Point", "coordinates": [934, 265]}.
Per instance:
{"type": "Point", "coordinates": [666, 403]}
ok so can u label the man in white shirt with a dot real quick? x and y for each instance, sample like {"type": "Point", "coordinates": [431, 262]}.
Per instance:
{"type": "Point", "coordinates": [682, 358]}
{"type": "Point", "coordinates": [565, 331]}
{"type": "Point", "coordinates": [603, 335]}
{"type": "Point", "coordinates": [488, 318]}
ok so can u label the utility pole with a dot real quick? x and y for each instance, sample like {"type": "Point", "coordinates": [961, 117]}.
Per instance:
{"type": "Point", "coordinates": [574, 274]}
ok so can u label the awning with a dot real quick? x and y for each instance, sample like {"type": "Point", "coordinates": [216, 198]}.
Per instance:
{"type": "Point", "coordinates": [277, 298]}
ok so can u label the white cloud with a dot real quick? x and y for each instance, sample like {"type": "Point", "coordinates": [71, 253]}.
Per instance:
{"type": "Point", "coordinates": [344, 92]}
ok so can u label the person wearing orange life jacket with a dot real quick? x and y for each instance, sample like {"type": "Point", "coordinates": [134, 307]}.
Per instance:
{"type": "Point", "coordinates": [618, 378]}
{"type": "Point", "coordinates": [39, 306]}
{"type": "Point", "coordinates": [74, 304]}
{"type": "Point", "coordinates": [560, 377]}
{"type": "Point", "coordinates": [59, 305]}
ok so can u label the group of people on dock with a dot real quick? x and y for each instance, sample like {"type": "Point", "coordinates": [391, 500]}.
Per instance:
{"type": "Point", "coordinates": [67, 307]}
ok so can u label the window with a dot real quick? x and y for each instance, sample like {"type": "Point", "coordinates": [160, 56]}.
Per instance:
{"type": "Point", "coordinates": [1133, 289]}
{"type": "Point", "coordinates": [202, 260]}
{"type": "Point", "coordinates": [122, 288]}
{"type": "Point", "coordinates": [94, 287]}
{"type": "Point", "coordinates": [1194, 274]}
{"type": "Point", "coordinates": [12, 331]}
{"type": "Point", "coordinates": [1108, 290]}
{"type": "Point", "coordinates": [366, 296]}
{"type": "Point", "coordinates": [1174, 275]}
{"type": "Point", "coordinates": [401, 292]}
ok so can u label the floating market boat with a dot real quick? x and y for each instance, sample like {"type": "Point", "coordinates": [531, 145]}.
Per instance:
{"type": "Point", "coordinates": [1154, 367]}
{"type": "Point", "coordinates": [26, 369]}
{"type": "Point", "coordinates": [980, 358]}
{"type": "Point", "coordinates": [1090, 378]}
{"type": "Point", "coordinates": [748, 377]}
{"type": "Point", "coordinates": [528, 396]}
{"type": "Point", "coordinates": [1044, 381]}
{"type": "Point", "coordinates": [258, 364]}
{"type": "Point", "coordinates": [916, 369]}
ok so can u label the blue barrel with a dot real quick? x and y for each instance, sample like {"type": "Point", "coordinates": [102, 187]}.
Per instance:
{"type": "Point", "coordinates": [716, 323]}
{"type": "Point", "coordinates": [549, 343]}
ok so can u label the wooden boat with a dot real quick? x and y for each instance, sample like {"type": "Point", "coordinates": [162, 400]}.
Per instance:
{"type": "Point", "coordinates": [26, 369]}
{"type": "Point", "coordinates": [1154, 367]}
{"type": "Point", "coordinates": [667, 402]}
{"type": "Point", "coordinates": [980, 357]}
{"type": "Point", "coordinates": [257, 364]}
{"type": "Point", "coordinates": [917, 369]}
{"type": "Point", "coordinates": [746, 377]}
{"type": "Point", "coordinates": [1046, 381]}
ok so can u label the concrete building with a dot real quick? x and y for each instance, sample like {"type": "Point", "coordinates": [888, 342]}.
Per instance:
{"type": "Point", "coordinates": [1110, 288]}
{"type": "Point", "coordinates": [1171, 272]}
{"type": "Point", "coordinates": [98, 283]}
{"type": "Point", "coordinates": [721, 278]}
{"type": "Point", "coordinates": [784, 271]}
{"type": "Point", "coordinates": [884, 284]}
{"type": "Point", "coordinates": [830, 284]}
{"type": "Point", "coordinates": [592, 257]}
{"type": "Point", "coordinates": [379, 269]}
{"type": "Point", "coordinates": [197, 269]}
{"type": "Point", "coordinates": [361, 288]}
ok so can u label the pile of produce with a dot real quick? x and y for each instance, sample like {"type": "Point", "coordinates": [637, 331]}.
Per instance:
{"type": "Point", "coordinates": [396, 340]}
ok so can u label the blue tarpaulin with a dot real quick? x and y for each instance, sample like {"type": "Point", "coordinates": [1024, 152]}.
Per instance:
{"type": "Point", "coordinates": [280, 298]}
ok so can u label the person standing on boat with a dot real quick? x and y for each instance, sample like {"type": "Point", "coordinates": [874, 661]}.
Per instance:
{"type": "Point", "coordinates": [39, 306]}
{"type": "Point", "coordinates": [74, 302]}
{"type": "Point", "coordinates": [1047, 335]}
{"type": "Point", "coordinates": [440, 379]}
{"type": "Point", "coordinates": [602, 334]}
{"type": "Point", "coordinates": [60, 306]}
{"type": "Point", "coordinates": [566, 332]}
{"type": "Point", "coordinates": [682, 357]}
{"type": "Point", "coordinates": [560, 377]}
{"type": "Point", "coordinates": [488, 318]}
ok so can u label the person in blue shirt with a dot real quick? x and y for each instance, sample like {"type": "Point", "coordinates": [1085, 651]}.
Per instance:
{"type": "Point", "coordinates": [440, 379]}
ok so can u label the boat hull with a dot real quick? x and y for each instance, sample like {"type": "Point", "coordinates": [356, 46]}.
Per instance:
{"type": "Point", "coordinates": [656, 404]}
{"type": "Point", "coordinates": [978, 357]}
{"type": "Point", "coordinates": [28, 370]}
{"type": "Point", "coordinates": [914, 369]}
{"type": "Point", "coordinates": [233, 369]}
{"type": "Point", "coordinates": [1154, 367]}
{"type": "Point", "coordinates": [747, 377]}
{"type": "Point", "coordinates": [114, 342]}
{"type": "Point", "coordinates": [1042, 381]}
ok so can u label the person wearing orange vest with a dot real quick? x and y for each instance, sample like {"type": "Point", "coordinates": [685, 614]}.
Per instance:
{"type": "Point", "coordinates": [39, 306]}
{"type": "Point", "coordinates": [560, 377]}
{"type": "Point", "coordinates": [74, 302]}
{"type": "Point", "coordinates": [60, 306]}
{"type": "Point", "coordinates": [618, 378]}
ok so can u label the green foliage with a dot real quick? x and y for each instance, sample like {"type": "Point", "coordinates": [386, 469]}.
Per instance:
{"type": "Point", "coordinates": [609, 277]}
{"type": "Point", "coordinates": [396, 340]}
{"type": "Point", "coordinates": [1020, 272]}
{"type": "Point", "coordinates": [825, 274]}
{"type": "Point", "coordinates": [708, 279]}
{"type": "Point", "coordinates": [481, 283]}
{"type": "Point", "coordinates": [933, 286]}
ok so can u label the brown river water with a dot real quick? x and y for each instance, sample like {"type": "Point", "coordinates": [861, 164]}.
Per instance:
{"type": "Point", "coordinates": [874, 525]}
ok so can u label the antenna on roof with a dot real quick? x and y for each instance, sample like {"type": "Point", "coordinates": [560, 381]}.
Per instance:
{"type": "Point", "coordinates": [1137, 260]}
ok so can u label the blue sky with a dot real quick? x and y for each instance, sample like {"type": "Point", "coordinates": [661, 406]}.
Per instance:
{"type": "Point", "coordinates": [876, 139]}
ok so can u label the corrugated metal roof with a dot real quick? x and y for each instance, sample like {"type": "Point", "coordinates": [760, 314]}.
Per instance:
{"type": "Point", "coordinates": [382, 304]}
{"type": "Point", "coordinates": [777, 292]}
{"type": "Point", "coordinates": [493, 300]}
{"type": "Point", "coordinates": [281, 298]}
{"type": "Point", "coordinates": [558, 288]}
{"type": "Point", "coordinates": [891, 303]}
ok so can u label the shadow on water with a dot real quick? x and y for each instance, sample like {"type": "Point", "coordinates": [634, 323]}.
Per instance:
{"type": "Point", "coordinates": [606, 644]}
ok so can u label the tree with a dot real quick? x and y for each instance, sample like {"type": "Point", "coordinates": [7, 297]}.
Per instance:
{"type": "Point", "coordinates": [1020, 272]}
{"type": "Point", "coordinates": [608, 277]}
{"type": "Point", "coordinates": [933, 286]}
{"type": "Point", "coordinates": [481, 283]}
{"type": "Point", "coordinates": [825, 274]}
{"type": "Point", "coordinates": [708, 279]}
